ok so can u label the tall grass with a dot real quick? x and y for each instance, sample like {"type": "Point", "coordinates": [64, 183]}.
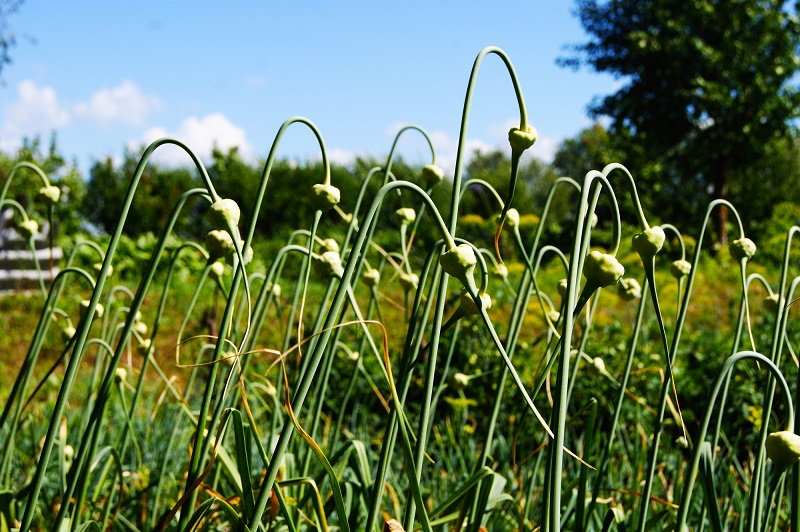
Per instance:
{"type": "Point", "coordinates": [319, 400]}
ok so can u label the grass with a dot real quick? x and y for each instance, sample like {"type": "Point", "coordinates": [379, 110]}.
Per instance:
{"type": "Point", "coordinates": [436, 393]}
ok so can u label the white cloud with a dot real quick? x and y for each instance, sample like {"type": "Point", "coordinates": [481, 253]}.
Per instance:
{"type": "Point", "coordinates": [201, 135]}
{"type": "Point", "coordinates": [125, 104]}
{"type": "Point", "coordinates": [36, 111]}
{"type": "Point", "coordinates": [447, 150]}
{"type": "Point", "coordinates": [446, 146]}
{"type": "Point", "coordinates": [341, 157]}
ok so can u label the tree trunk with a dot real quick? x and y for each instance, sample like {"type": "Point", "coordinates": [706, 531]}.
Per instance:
{"type": "Point", "coordinates": [720, 191]}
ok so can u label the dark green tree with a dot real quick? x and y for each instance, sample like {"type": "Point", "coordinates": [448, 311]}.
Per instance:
{"type": "Point", "coordinates": [710, 85]}
{"type": "Point", "coordinates": [158, 190]}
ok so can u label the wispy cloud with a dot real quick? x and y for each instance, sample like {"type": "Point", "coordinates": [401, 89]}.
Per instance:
{"type": "Point", "coordinates": [201, 135]}
{"type": "Point", "coordinates": [123, 104]}
{"type": "Point", "coordinates": [36, 111]}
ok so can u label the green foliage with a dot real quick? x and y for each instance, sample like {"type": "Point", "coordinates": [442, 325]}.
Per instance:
{"type": "Point", "coordinates": [709, 86]}
{"type": "Point", "coordinates": [161, 187]}
{"type": "Point", "coordinates": [60, 173]}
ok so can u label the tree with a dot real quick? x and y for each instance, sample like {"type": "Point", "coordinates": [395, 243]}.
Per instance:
{"type": "Point", "coordinates": [710, 83]}
{"type": "Point", "coordinates": [7, 37]}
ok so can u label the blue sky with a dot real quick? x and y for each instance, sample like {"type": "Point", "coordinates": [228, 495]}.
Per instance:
{"type": "Point", "coordinates": [112, 75]}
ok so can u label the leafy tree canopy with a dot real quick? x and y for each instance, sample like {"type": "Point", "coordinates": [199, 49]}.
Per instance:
{"type": "Point", "coordinates": [710, 84]}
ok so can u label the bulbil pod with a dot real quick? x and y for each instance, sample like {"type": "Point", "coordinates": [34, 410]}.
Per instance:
{"type": "Point", "coordinates": [328, 265]}
{"type": "Point", "coordinates": [49, 195]}
{"type": "Point", "coordinates": [405, 216]}
{"type": "Point", "coordinates": [330, 244]}
{"type": "Point", "coordinates": [409, 281]}
{"type": "Point", "coordinates": [98, 313]}
{"type": "Point", "coordinates": [521, 140]}
{"type": "Point", "coordinates": [562, 288]}
{"type": "Point", "coordinates": [99, 266]}
{"type": "Point", "coordinates": [460, 381]}
{"type": "Point", "coordinates": [219, 245]}
{"type": "Point", "coordinates": [275, 289]}
{"type": "Point", "coordinates": [629, 289]}
{"type": "Point", "coordinates": [224, 214]}
{"type": "Point", "coordinates": [217, 270]}
{"type": "Point", "coordinates": [771, 303]}
{"type": "Point", "coordinates": [371, 276]}
{"type": "Point", "coordinates": [431, 174]}
{"type": "Point", "coordinates": [458, 262]}
{"type": "Point", "coordinates": [680, 268]}
{"type": "Point", "coordinates": [602, 269]}
{"type": "Point", "coordinates": [512, 217]}
{"type": "Point", "coordinates": [500, 270]}
{"type": "Point", "coordinates": [144, 346]}
{"type": "Point", "coordinates": [783, 448]}
{"type": "Point", "coordinates": [742, 249]}
{"type": "Point", "coordinates": [68, 332]}
{"type": "Point", "coordinates": [28, 228]}
{"type": "Point", "coordinates": [324, 197]}
{"type": "Point", "coordinates": [140, 327]}
{"type": "Point", "coordinates": [649, 242]}
{"type": "Point", "coordinates": [467, 306]}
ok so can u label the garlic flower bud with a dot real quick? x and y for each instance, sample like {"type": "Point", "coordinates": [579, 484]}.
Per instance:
{"type": "Point", "coordinates": [649, 242]}
{"type": "Point", "coordinates": [521, 140]}
{"type": "Point", "coordinates": [328, 265]}
{"type": "Point", "coordinates": [28, 228]}
{"type": "Point", "coordinates": [783, 448]}
{"type": "Point", "coordinates": [49, 195]}
{"type": "Point", "coordinates": [458, 262]}
{"type": "Point", "coordinates": [219, 245]}
{"type": "Point", "coordinates": [324, 197]}
{"type": "Point", "coordinates": [742, 248]}
{"type": "Point", "coordinates": [431, 174]}
{"type": "Point", "coordinates": [371, 276]}
{"type": "Point", "coordinates": [224, 214]}
{"type": "Point", "coordinates": [409, 282]}
{"type": "Point", "coordinates": [629, 289]}
{"type": "Point", "coordinates": [602, 269]}
{"type": "Point", "coordinates": [680, 268]}
{"type": "Point", "coordinates": [405, 216]}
